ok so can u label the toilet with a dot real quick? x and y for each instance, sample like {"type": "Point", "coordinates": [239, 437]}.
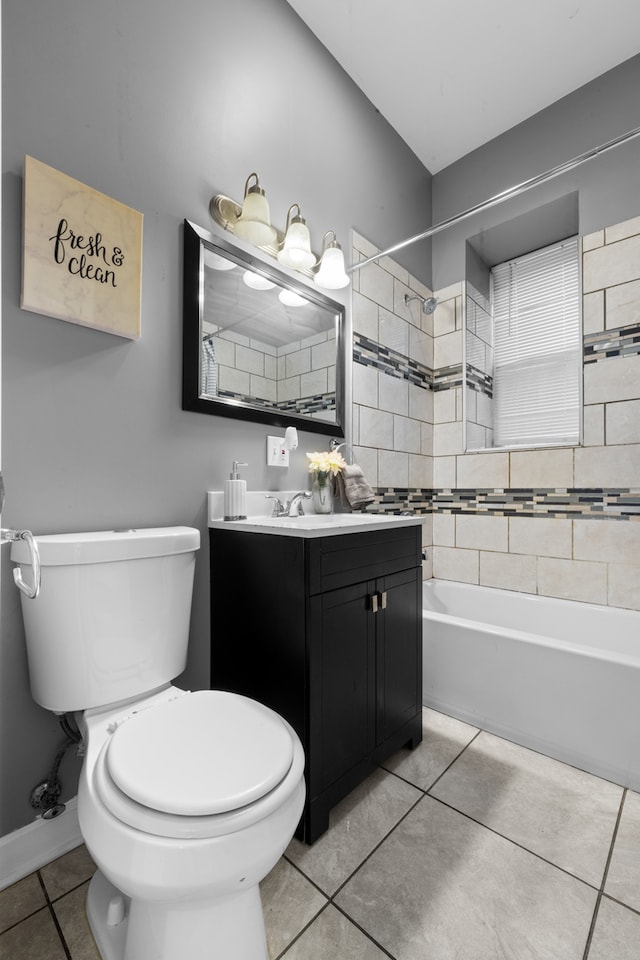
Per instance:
{"type": "Point", "coordinates": [186, 799]}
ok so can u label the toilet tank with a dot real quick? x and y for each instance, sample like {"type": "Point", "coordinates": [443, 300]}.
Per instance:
{"type": "Point", "coordinates": [112, 617]}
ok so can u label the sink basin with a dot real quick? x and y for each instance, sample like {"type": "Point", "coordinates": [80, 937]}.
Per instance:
{"type": "Point", "coordinates": [312, 521]}
{"type": "Point", "coordinates": [317, 525]}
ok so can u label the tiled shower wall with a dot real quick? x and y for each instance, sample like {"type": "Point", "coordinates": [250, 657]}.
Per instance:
{"type": "Point", "coordinates": [562, 522]}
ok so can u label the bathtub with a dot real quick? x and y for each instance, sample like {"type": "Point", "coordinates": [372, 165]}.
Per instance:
{"type": "Point", "coordinates": [558, 676]}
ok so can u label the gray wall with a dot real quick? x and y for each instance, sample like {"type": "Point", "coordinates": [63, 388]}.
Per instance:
{"type": "Point", "coordinates": [608, 187]}
{"type": "Point", "coordinates": [160, 107]}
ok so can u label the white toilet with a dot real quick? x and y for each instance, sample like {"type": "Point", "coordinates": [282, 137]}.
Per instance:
{"type": "Point", "coordinates": [186, 800]}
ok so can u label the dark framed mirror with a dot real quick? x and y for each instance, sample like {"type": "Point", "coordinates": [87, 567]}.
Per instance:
{"type": "Point", "coordinates": [257, 344]}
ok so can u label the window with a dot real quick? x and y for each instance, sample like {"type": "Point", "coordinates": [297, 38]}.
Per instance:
{"type": "Point", "coordinates": [537, 372]}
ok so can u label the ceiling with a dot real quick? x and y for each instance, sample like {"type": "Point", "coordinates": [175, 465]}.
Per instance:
{"type": "Point", "coordinates": [450, 75]}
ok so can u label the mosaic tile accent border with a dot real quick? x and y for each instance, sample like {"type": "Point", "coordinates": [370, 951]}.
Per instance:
{"type": "Point", "coordinates": [620, 342]}
{"type": "Point", "coordinates": [479, 381]}
{"type": "Point", "coordinates": [303, 405]}
{"type": "Point", "coordinates": [371, 354]}
{"type": "Point", "coordinates": [573, 504]}
{"type": "Point", "coordinates": [446, 378]}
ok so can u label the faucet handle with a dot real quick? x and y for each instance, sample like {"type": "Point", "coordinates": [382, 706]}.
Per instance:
{"type": "Point", "coordinates": [278, 507]}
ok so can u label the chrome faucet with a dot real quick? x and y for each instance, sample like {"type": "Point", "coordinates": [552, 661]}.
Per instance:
{"type": "Point", "coordinates": [290, 508]}
{"type": "Point", "coordinates": [295, 504]}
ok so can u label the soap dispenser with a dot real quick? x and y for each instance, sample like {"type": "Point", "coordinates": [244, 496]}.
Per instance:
{"type": "Point", "coordinates": [235, 491]}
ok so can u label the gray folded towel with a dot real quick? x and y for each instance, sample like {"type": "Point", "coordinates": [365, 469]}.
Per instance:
{"type": "Point", "coordinates": [355, 493]}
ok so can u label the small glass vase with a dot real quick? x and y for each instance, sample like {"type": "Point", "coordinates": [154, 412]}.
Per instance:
{"type": "Point", "coordinates": [322, 493]}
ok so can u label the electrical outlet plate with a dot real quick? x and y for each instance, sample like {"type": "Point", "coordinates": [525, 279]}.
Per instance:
{"type": "Point", "coordinates": [277, 455]}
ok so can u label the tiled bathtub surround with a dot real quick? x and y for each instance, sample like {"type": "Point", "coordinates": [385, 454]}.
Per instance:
{"type": "Point", "coordinates": [559, 521]}
{"type": "Point", "coordinates": [393, 375]}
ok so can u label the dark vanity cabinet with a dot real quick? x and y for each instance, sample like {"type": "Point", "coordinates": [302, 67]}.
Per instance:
{"type": "Point", "coordinates": [326, 630]}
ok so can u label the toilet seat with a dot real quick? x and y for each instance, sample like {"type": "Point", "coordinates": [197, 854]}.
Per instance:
{"type": "Point", "coordinates": [197, 765]}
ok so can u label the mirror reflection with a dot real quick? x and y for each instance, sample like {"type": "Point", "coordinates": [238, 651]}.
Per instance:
{"type": "Point", "coordinates": [265, 347]}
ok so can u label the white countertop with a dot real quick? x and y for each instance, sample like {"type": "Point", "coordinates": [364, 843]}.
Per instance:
{"type": "Point", "coordinates": [309, 525]}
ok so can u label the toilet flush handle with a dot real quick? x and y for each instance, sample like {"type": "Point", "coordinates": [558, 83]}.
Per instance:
{"type": "Point", "coordinates": [30, 590]}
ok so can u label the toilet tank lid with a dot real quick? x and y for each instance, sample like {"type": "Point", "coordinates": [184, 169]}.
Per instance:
{"type": "Point", "coordinates": [105, 546]}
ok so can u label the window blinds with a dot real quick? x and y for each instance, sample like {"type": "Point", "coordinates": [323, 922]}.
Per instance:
{"type": "Point", "coordinates": [537, 355]}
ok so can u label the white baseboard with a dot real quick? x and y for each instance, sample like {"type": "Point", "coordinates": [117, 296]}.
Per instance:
{"type": "Point", "coordinates": [31, 847]}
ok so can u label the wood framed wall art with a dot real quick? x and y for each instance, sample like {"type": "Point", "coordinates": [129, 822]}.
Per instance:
{"type": "Point", "coordinates": [82, 253]}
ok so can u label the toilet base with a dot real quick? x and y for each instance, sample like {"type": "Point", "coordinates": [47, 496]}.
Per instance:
{"type": "Point", "coordinates": [228, 928]}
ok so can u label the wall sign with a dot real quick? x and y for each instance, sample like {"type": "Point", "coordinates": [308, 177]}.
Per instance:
{"type": "Point", "coordinates": [82, 256]}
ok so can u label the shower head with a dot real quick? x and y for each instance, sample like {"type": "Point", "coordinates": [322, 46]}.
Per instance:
{"type": "Point", "coordinates": [428, 303]}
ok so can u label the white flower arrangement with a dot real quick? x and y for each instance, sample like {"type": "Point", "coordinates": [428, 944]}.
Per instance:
{"type": "Point", "coordinates": [324, 462]}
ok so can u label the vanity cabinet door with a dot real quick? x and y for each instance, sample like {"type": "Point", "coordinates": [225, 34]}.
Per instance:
{"type": "Point", "coordinates": [398, 652]}
{"type": "Point", "coordinates": [342, 667]}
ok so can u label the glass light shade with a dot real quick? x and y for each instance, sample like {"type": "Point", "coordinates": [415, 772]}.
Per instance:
{"type": "Point", "coordinates": [216, 262]}
{"type": "Point", "coordinates": [291, 299]}
{"type": "Point", "coordinates": [254, 223]}
{"type": "Point", "coordinates": [332, 274]}
{"type": "Point", "coordinates": [256, 281]}
{"type": "Point", "coordinates": [296, 252]}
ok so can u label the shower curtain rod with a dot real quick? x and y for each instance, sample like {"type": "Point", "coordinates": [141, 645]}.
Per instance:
{"type": "Point", "coordinates": [501, 197]}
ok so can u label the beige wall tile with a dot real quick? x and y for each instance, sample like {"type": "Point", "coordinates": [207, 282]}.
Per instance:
{"type": "Point", "coordinates": [542, 468]}
{"type": "Point", "coordinates": [620, 231]}
{"type": "Point", "coordinates": [612, 264]}
{"type": "Point", "coordinates": [592, 240]}
{"type": "Point", "coordinates": [420, 404]}
{"type": "Point", "coordinates": [483, 470]}
{"type": "Point", "coordinates": [610, 541]}
{"type": "Point", "coordinates": [376, 428]}
{"type": "Point", "coordinates": [540, 536]}
{"type": "Point", "coordinates": [420, 347]}
{"type": "Point", "coordinates": [623, 305]}
{"type": "Point", "coordinates": [444, 472]}
{"type": "Point", "coordinates": [377, 285]}
{"type": "Point", "coordinates": [444, 317]}
{"type": "Point", "coordinates": [617, 378]}
{"type": "Point", "coordinates": [420, 471]}
{"type": "Point", "coordinates": [623, 422]}
{"type": "Point", "coordinates": [367, 460]}
{"type": "Point", "coordinates": [615, 466]}
{"type": "Point", "coordinates": [593, 425]}
{"type": "Point", "coordinates": [447, 349]}
{"type": "Point", "coordinates": [365, 316]}
{"type": "Point", "coordinates": [426, 431]}
{"type": "Point", "coordinates": [447, 439]}
{"type": "Point", "coordinates": [393, 469]}
{"type": "Point", "coordinates": [363, 246]}
{"type": "Point", "coordinates": [406, 435]}
{"type": "Point", "coordinates": [365, 385]}
{"type": "Point", "coordinates": [393, 394]}
{"type": "Point", "coordinates": [452, 564]}
{"type": "Point", "coordinates": [508, 572]}
{"type": "Point", "coordinates": [593, 312]}
{"type": "Point", "coordinates": [444, 406]}
{"type": "Point", "coordinates": [482, 533]}
{"type": "Point", "coordinates": [624, 585]}
{"type": "Point", "coordinates": [444, 530]}
{"type": "Point", "coordinates": [572, 580]}
{"type": "Point", "coordinates": [393, 332]}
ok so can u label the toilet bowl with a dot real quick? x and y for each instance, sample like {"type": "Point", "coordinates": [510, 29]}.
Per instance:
{"type": "Point", "coordinates": [186, 799]}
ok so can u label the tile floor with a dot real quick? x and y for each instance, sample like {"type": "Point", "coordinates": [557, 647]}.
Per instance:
{"type": "Point", "coordinates": [468, 848]}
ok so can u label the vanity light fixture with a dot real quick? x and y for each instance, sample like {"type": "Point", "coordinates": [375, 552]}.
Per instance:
{"type": "Point", "coordinates": [296, 249]}
{"type": "Point", "coordinates": [254, 223]}
{"type": "Point", "coordinates": [331, 274]}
